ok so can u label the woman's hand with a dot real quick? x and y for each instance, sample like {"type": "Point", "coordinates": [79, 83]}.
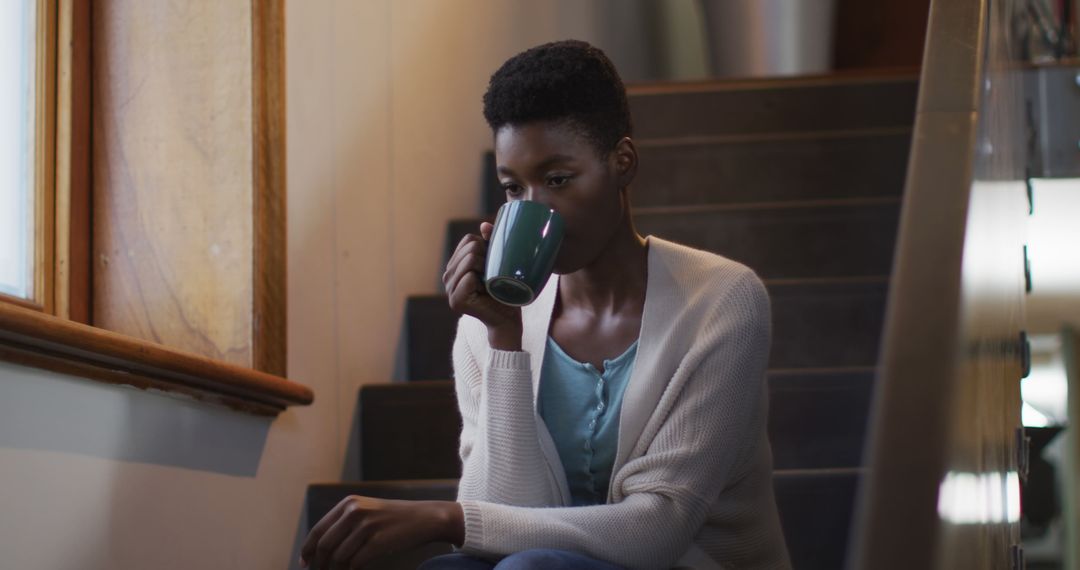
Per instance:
{"type": "Point", "coordinates": [360, 530]}
{"type": "Point", "coordinates": [464, 283]}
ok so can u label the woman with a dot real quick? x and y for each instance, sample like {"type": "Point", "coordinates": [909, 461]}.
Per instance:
{"type": "Point", "coordinates": [617, 421]}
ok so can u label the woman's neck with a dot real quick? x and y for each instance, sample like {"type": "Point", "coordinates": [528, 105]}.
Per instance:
{"type": "Point", "coordinates": [615, 281]}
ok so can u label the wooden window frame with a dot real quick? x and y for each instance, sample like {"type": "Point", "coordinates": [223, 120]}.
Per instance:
{"type": "Point", "coordinates": [52, 330]}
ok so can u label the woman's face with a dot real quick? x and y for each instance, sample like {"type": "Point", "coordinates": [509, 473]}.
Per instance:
{"type": "Point", "coordinates": [553, 164]}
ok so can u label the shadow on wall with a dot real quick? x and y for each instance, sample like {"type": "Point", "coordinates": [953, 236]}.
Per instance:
{"type": "Point", "coordinates": [43, 411]}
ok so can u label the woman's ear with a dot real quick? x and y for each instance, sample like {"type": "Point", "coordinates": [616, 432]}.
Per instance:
{"type": "Point", "coordinates": [626, 161]}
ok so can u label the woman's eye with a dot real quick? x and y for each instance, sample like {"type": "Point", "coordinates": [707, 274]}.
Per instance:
{"type": "Point", "coordinates": [512, 189]}
{"type": "Point", "coordinates": [557, 181]}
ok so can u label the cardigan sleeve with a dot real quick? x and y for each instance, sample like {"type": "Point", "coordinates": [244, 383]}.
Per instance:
{"type": "Point", "coordinates": [501, 458]}
{"type": "Point", "coordinates": [715, 409]}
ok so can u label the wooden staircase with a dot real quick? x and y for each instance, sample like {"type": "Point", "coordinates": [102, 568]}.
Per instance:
{"type": "Point", "coordinates": [798, 178]}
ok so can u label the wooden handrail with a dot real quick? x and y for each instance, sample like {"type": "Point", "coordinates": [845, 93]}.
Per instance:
{"type": "Point", "coordinates": [945, 415]}
{"type": "Point", "coordinates": [34, 338]}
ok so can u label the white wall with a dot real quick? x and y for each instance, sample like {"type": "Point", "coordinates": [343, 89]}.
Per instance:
{"type": "Point", "coordinates": [385, 139]}
{"type": "Point", "coordinates": [1053, 236]}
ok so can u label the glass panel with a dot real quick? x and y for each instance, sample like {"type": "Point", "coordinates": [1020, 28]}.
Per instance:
{"type": "Point", "coordinates": [17, 65]}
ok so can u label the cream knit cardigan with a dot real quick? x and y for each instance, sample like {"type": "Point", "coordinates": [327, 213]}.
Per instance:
{"type": "Point", "coordinates": [691, 486]}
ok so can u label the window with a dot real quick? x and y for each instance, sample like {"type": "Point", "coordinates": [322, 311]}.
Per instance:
{"type": "Point", "coordinates": [18, 114]}
{"type": "Point", "coordinates": [58, 84]}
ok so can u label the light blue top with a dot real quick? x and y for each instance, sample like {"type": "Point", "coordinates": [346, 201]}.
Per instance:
{"type": "Point", "coordinates": [580, 406]}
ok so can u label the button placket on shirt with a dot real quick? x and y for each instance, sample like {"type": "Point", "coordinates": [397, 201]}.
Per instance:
{"type": "Point", "coordinates": [597, 411]}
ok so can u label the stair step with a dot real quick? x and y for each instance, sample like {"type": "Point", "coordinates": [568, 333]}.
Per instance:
{"type": "Point", "coordinates": [825, 324]}
{"type": "Point", "coordinates": [693, 171]}
{"type": "Point", "coordinates": [815, 512]}
{"type": "Point", "coordinates": [809, 240]}
{"type": "Point", "coordinates": [430, 328]}
{"type": "Point", "coordinates": [835, 137]}
{"type": "Point", "coordinates": [816, 324]}
{"type": "Point", "coordinates": [828, 238]}
{"type": "Point", "coordinates": [816, 508]}
{"type": "Point", "coordinates": [768, 106]}
{"type": "Point", "coordinates": [727, 170]}
{"type": "Point", "coordinates": [409, 430]}
{"type": "Point", "coordinates": [817, 419]}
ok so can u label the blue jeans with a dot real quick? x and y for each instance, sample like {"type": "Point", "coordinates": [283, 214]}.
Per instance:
{"type": "Point", "coordinates": [537, 559]}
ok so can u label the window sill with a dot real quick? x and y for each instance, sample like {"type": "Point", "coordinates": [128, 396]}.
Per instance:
{"type": "Point", "coordinates": [33, 338]}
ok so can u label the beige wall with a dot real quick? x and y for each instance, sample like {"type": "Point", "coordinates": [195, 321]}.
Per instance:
{"type": "Point", "coordinates": [385, 139]}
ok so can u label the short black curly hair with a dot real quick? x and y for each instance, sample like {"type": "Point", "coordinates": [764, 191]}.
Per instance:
{"type": "Point", "coordinates": [567, 80]}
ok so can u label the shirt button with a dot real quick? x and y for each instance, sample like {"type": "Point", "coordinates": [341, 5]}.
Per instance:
{"type": "Point", "coordinates": [600, 407]}
{"type": "Point", "coordinates": [592, 424]}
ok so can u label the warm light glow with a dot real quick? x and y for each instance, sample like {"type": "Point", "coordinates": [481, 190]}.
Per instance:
{"type": "Point", "coordinates": [979, 498]}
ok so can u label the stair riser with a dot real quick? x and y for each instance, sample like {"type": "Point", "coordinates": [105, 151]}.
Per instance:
{"type": "Point", "coordinates": [789, 243]}
{"type": "Point", "coordinates": [818, 420]}
{"type": "Point", "coordinates": [748, 171]}
{"type": "Point", "coordinates": [771, 171]}
{"type": "Point", "coordinates": [769, 110]}
{"type": "Point", "coordinates": [430, 328]}
{"type": "Point", "coordinates": [824, 326]}
{"type": "Point", "coordinates": [815, 326]}
{"type": "Point", "coordinates": [841, 240]}
{"type": "Point", "coordinates": [410, 431]}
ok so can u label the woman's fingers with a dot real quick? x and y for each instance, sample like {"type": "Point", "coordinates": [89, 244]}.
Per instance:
{"type": "Point", "coordinates": [360, 530]}
{"type": "Point", "coordinates": [308, 551]}
{"type": "Point", "coordinates": [332, 551]}
{"type": "Point", "coordinates": [468, 246]}
{"type": "Point", "coordinates": [464, 291]}
{"type": "Point", "coordinates": [470, 263]}
{"type": "Point", "coordinates": [463, 281]}
{"type": "Point", "coordinates": [348, 549]}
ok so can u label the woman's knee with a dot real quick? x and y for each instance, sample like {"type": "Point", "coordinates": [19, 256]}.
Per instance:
{"type": "Point", "coordinates": [549, 559]}
{"type": "Point", "coordinates": [538, 559]}
{"type": "Point", "coordinates": [456, 561]}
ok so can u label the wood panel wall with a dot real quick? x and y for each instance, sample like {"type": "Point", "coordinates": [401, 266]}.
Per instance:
{"type": "Point", "coordinates": [188, 176]}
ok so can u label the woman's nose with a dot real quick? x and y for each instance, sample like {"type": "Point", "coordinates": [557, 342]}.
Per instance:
{"type": "Point", "coordinates": [534, 194]}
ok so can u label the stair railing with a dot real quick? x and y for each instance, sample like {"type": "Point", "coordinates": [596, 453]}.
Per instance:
{"type": "Point", "coordinates": [945, 447]}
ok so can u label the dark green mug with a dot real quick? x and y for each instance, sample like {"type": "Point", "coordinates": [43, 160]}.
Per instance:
{"type": "Point", "coordinates": [522, 251]}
